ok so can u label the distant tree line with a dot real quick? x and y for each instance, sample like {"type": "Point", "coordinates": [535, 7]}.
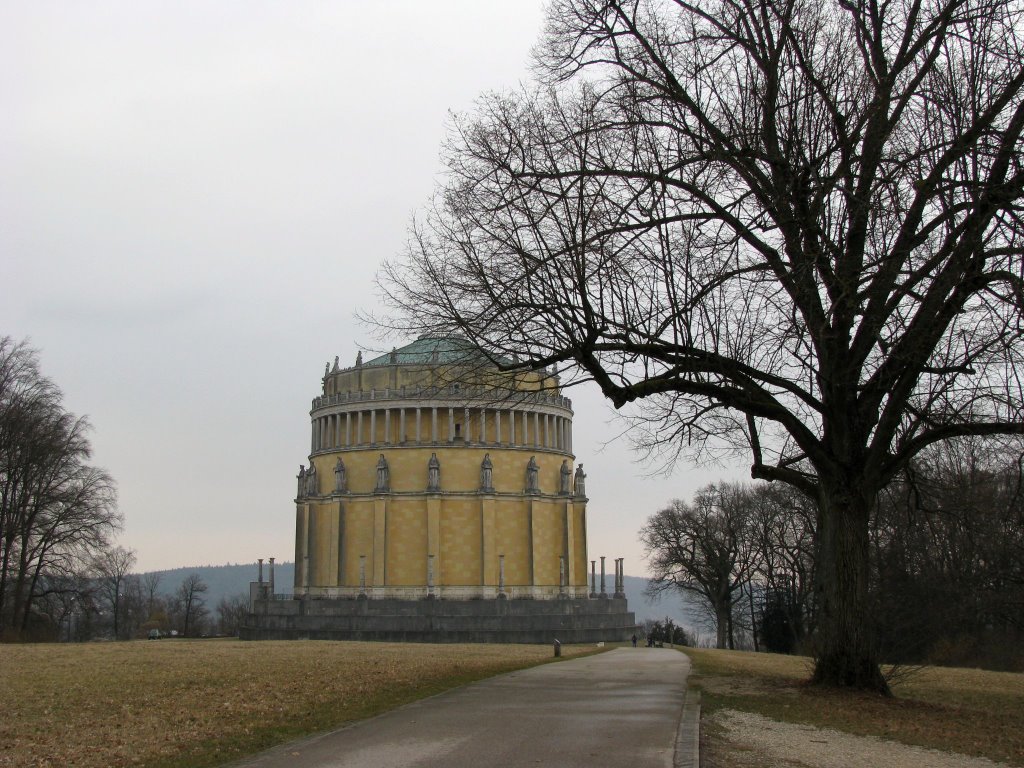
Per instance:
{"type": "Point", "coordinates": [61, 575]}
{"type": "Point", "coordinates": [946, 559]}
{"type": "Point", "coordinates": [108, 602]}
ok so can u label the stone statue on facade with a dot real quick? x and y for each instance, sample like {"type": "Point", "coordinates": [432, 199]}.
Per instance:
{"type": "Point", "coordinates": [359, 358]}
{"type": "Point", "coordinates": [487, 474]}
{"type": "Point", "coordinates": [327, 368]}
{"type": "Point", "coordinates": [302, 482]}
{"type": "Point", "coordinates": [532, 484]}
{"type": "Point", "coordinates": [340, 477]}
{"type": "Point", "coordinates": [383, 480]}
{"type": "Point", "coordinates": [564, 475]}
{"type": "Point", "coordinates": [312, 488]}
{"type": "Point", "coordinates": [579, 482]}
{"type": "Point", "coordinates": [433, 474]}
{"type": "Point", "coordinates": [336, 368]}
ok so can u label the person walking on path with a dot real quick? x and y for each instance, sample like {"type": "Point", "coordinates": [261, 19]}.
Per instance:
{"type": "Point", "coordinates": [634, 639]}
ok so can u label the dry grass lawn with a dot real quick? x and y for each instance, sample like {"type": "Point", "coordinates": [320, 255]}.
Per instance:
{"type": "Point", "coordinates": [206, 702]}
{"type": "Point", "coordinates": [968, 711]}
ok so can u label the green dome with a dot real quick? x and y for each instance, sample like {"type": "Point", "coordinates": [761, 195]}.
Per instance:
{"type": "Point", "coordinates": [431, 350]}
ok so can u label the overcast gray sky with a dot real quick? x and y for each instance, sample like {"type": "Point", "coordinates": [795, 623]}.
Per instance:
{"type": "Point", "coordinates": [194, 200]}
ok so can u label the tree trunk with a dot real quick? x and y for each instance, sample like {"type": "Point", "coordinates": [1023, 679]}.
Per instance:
{"type": "Point", "coordinates": [722, 626]}
{"type": "Point", "coordinates": [845, 650]}
{"type": "Point", "coordinates": [753, 619]}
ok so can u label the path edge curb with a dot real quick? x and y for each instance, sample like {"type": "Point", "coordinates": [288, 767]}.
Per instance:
{"type": "Point", "coordinates": [687, 754]}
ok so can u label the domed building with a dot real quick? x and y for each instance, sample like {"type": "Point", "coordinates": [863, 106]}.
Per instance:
{"type": "Point", "coordinates": [441, 502]}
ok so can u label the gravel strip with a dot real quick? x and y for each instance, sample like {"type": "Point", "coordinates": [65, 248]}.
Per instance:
{"type": "Point", "coordinates": [783, 745]}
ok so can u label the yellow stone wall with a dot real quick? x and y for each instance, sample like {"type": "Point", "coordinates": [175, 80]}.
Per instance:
{"type": "Point", "coordinates": [513, 533]}
{"type": "Point", "coordinates": [358, 540]}
{"type": "Point", "coordinates": [465, 530]}
{"type": "Point", "coordinates": [460, 554]}
{"type": "Point", "coordinates": [465, 522]}
{"type": "Point", "coordinates": [460, 468]}
{"type": "Point", "coordinates": [406, 543]}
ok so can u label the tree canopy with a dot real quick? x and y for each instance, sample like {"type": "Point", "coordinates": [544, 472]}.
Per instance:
{"type": "Point", "coordinates": [56, 511]}
{"type": "Point", "coordinates": [786, 227]}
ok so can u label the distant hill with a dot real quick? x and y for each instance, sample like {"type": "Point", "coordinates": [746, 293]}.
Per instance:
{"type": "Point", "coordinates": [683, 610]}
{"type": "Point", "coordinates": [229, 580]}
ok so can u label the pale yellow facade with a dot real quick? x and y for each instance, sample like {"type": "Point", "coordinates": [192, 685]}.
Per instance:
{"type": "Point", "coordinates": [401, 532]}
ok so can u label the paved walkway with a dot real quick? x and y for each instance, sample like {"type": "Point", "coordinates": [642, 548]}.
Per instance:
{"type": "Point", "coordinates": [620, 708]}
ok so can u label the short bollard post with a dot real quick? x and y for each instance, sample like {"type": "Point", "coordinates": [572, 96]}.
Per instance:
{"type": "Point", "coordinates": [558, 649]}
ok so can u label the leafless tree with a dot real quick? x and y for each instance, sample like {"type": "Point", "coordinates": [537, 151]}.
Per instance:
{"type": "Point", "coordinates": [56, 511]}
{"type": "Point", "coordinates": [231, 612]}
{"type": "Point", "coordinates": [113, 570]}
{"type": "Point", "coordinates": [151, 591]}
{"type": "Point", "coordinates": [782, 524]}
{"type": "Point", "coordinates": [191, 604]}
{"type": "Point", "coordinates": [948, 551]}
{"type": "Point", "coordinates": [704, 549]}
{"type": "Point", "coordinates": [789, 228]}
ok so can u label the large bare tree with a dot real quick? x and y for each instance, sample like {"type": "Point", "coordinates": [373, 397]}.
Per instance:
{"type": "Point", "coordinates": [706, 549]}
{"type": "Point", "coordinates": [56, 511]}
{"type": "Point", "coordinates": [790, 227]}
{"type": "Point", "coordinates": [113, 569]}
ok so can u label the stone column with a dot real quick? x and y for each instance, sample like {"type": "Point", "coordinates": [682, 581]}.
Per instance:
{"type": "Point", "coordinates": [547, 430]}
{"type": "Point", "coordinates": [380, 522]}
{"type": "Point", "coordinates": [373, 427]}
{"type": "Point", "coordinates": [488, 537]}
{"type": "Point", "coordinates": [362, 576]}
{"type": "Point", "coordinates": [387, 426]}
{"type": "Point", "coordinates": [483, 425]}
{"type": "Point", "coordinates": [526, 427]}
{"type": "Point", "coordinates": [271, 576]}
{"type": "Point", "coordinates": [570, 543]}
{"type": "Point", "coordinates": [511, 427]}
{"type": "Point", "coordinates": [348, 429]}
{"type": "Point", "coordinates": [359, 428]}
{"type": "Point", "coordinates": [593, 578]}
{"type": "Point", "coordinates": [433, 526]}
{"type": "Point", "coordinates": [497, 425]}
{"type": "Point", "coordinates": [536, 430]}
{"type": "Point", "coordinates": [433, 425]}
{"type": "Point", "coordinates": [451, 424]}
{"type": "Point", "coordinates": [561, 575]}
{"type": "Point", "coordinates": [418, 433]}
{"type": "Point", "coordinates": [603, 594]}
{"type": "Point", "coordinates": [260, 577]}
{"type": "Point", "coordinates": [430, 577]}
{"type": "Point", "coordinates": [339, 545]}
{"type": "Point", "coordinates": [501, 577]}
{"type": "Point", "coordinates": [401, 425]}
{"type": "Point", "coordinates": [465, 424]}
{"type": "Point", "coordinates": [301, 555]}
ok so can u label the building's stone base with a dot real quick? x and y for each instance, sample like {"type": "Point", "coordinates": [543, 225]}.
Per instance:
{"type": "Point", "coordinates": [572, 620]}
